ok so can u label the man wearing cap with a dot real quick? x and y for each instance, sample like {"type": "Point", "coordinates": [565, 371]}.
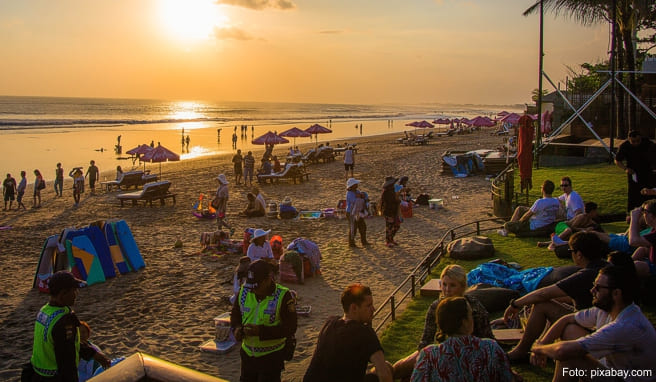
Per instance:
{"type": "Point", "coordinates": [264, 318]}
{"type": "Point", "coordinates": [259, 248]}
{"type": "Point", "coordinates": [57, 348]}
{"type": "Point", "coordinates": [347, 344]}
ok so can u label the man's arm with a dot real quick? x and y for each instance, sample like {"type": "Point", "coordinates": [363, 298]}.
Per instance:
{"type": "Point", "coordinates": [538, 295]}
{"type": "Point", "coordinates": [526, 216]}
{"type": "Point", "coordinates": [64, 334]}
{"type": "Point", "coordinates": [623, 167]}
{"type": "Point", "coordinates": [561, 350]}
{"type": "Point", "coordinates": [382, 369]}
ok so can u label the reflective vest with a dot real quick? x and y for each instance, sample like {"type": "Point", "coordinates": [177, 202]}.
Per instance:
{"type": "Point", "coordinates": [43, 351]}
{"type": "Point", "coordinates": [266, 313]}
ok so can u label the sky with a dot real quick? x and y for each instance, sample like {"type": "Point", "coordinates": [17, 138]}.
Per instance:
{"type": "Point", "coordinates": [315, 51]}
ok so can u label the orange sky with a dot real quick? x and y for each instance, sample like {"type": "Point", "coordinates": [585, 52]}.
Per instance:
{"type": "Point", "coordinates": [333, 51]}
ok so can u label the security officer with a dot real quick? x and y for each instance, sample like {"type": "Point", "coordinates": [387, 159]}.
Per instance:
{"type": "Point", "coordinates": [264, 318]}
{"type": "Point", "coordinates": [57, 349]}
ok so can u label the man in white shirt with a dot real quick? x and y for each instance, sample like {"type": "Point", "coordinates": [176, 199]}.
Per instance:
{"type": "Point", "coordinates": [539, 220]}
{"type": "Point", "coordinates": [611, 339]}
{"type": "Point", "coordinates": [573, 202]}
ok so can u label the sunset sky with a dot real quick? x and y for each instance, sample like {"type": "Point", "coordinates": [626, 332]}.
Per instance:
{"type": "Point", "coordinates": [333, 51]}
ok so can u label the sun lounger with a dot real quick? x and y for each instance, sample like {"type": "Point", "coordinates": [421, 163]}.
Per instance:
{"type": "Point", "coordinates": [291, 172]}
{"type": "Point", "coordinates": [130, 179]}
{"type": "Point", "coordinates": [151, 191]}
{"type": "Point", "coordinates": [326, 154]}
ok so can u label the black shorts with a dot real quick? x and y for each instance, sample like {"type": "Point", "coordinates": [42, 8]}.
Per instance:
{"type": "Point", "coordinates": [9, 196]}
{"type": "Point", "coordinates": [348, 166]}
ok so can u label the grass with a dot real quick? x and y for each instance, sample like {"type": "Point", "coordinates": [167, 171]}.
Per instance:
{"type": "Point", "coordinates": [603, 184]}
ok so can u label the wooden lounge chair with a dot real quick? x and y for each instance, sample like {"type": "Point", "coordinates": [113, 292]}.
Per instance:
{"type": "Point", "coordinates": [130, 179]}
{"type": "Point", "coordinates": [151, 191]}
{"type": "Point", "coordinates": [291, 172]}
{"type": "Point", "coordinates": [326, 154]}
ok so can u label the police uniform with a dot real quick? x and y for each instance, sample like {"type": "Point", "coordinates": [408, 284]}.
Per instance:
{"type": "Point", "coordinates": [263, 356]}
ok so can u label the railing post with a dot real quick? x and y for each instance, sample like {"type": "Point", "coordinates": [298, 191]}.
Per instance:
{"type": "Point", "coordinates": [393, 308]}
{"type": "Point", "coordinates": [478, 228]}
{"type": "Point", "coordinates": [412, 284]}
{"type": "Point", "coordinates": [453, 235]}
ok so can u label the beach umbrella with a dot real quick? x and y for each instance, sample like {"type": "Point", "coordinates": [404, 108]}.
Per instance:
{"type": "Point", "coordinates": [425, 125]}
{"type": "Point", "coordinates": [139, 150]}
{"type": "Point", "coordinates": [317, 129]}
{"type": "Point", "coordinates": [502, 113]}
{"type": "Point", "coordinates": [465, 121]}
{"type": "Point", "coordinates": [295, 132]}
{"type": "Point", "coordinates": [511, 118]}
{"type": "Point", "coordinates": [442, 121]}
{"type": "Point", "coordinates": [269, 138]}
{"type": "Point", "coordinates": [413, 124]}
{"type": "Point", "coordinates": [482, 121]}
{"type": "Point", "coordinates": [158, 155]}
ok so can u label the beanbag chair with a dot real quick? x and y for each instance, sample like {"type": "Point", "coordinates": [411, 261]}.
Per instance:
{"type": "Point", "coordinates": [471, 248]}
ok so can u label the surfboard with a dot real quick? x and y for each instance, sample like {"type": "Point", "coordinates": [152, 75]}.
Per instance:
{"type": "Point", "coordinates": [115, 250]}
{"type": "Point", "coordinates": [97, 238]}
{"type": "Point", "coordinates": [86, 257]}
{"type": "Point", "coordinates": [44, 268]}
{"type": "Point", "coordinates": [128, 245]}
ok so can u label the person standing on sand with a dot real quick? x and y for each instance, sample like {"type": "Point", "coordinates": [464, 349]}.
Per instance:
{"type": "Point", "coordinates": [349, 160]}
{"type": "Point", "coordinates": [78, 184]}
{"type": "Point", "coordinates": [39, 184]}
{"type": "Point", "coordinates": [234, 139]}
{"type": "Point", "coordinates": [92, 173]}
{"type": "Point", "coordinates": [57, 347]}
{"type": "Point", "coordinates": [220, 203]}
{"type": "Point", "coordinates": [9, 190]}
{"type": "Point", "coordinates": [347, 344]}
{"type": "Point", "coordinates": [389, 205]}
{"type": "Point", "coordinates": [59, 180]}
{"type": "Point", "coordinates": [263, 317]}
{"type": "Point", "coordinates": [187, 140]}
{"type": "Point", "coordinates": [21, 190]}
{"type": "Point", "coordinates": [249, 168]}
{"type": "Point", "coordinates": [237, 166]}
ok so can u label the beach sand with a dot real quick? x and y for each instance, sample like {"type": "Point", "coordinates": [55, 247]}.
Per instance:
{"type": "Point", "coordinates": [166, 309]}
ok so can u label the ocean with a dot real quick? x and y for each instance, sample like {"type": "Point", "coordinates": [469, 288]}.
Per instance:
{"type": "Point", "coordinates": [39, 132]}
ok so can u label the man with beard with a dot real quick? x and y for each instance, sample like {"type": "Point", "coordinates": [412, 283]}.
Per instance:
{"type": "Point", "coordinates": [611, 339]}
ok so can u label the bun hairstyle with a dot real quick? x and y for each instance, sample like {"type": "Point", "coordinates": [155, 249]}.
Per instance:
{"type": "Point", "coordinates": [450, 314]}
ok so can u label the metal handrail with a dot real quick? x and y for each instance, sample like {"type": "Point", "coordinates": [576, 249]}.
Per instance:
{"type": "Point", "coordinates": [418, 275]}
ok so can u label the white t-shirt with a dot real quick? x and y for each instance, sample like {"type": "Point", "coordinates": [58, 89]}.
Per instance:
{"type": "Point", "coordinates": [544, 211]}
{"type": "Point", "coordinates": [573, 202]}
{"type": "Point", "coordinates": [256, 252]}
{"type": "Point", "coordinates": [624, 344]}
{"type": "Point", "coordinates": [260, 199]}
{"type": "Point", "coordinates": [348, 156]}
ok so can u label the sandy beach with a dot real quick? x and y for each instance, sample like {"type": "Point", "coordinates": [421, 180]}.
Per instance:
{"type": "Point", "coordinates": [167, 308]}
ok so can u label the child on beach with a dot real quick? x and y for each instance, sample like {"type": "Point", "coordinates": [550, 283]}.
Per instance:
{"type": "Point", "coordinates": [21, 190]}
{"type": "Point", "coordinates": [39, 184]}
{"type": "Point", "coordinates": [90, 368]}
{"type": "Point", "coordinates": [78, 183]}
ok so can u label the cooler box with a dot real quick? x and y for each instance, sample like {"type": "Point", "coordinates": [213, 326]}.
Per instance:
{"type": "Point", "coordinates": [435, 204]}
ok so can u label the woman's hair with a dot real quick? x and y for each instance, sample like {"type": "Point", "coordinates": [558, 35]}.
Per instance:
{"type": "Point", "coordinates": [455, 272]}
{"type": "Point", "coordinates": [250, 196]}
{"type": "Point", "coordinates": [450, 314]}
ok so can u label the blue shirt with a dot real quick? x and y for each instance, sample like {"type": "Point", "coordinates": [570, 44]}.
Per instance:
{"type": "Point", "coordinates": [350, 199]}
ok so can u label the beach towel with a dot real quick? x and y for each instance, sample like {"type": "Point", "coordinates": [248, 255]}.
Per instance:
{"type": "Point", "coordinates": [310, 250]}
{"type": "Point", "coordinates": [501, 276]}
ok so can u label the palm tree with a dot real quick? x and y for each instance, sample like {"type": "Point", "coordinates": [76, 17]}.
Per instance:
{"type": "Point", "coordinates": [630, 16]}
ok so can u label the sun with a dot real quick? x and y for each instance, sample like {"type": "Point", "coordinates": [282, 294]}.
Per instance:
{"type": "Point", "coordinates": [190, 20]}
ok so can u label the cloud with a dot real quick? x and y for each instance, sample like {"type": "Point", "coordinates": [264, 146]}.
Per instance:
{"type": "Point", "coordinates": [331, 32]}
{"type": "Point", "coordinates": [233, 33]}
{"type": "Point", "coordinates": [260, 4]}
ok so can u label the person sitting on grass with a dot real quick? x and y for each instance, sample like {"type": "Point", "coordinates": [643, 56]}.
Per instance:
{"type": "Point", "coordinates": [613, 336]}
{"type": "Point", "coordinates": [454, 284]}
{"type": "Point", "coordinates": [582, 222]}
{"type": "Point", "coordinates": [585, 249]}
{"type": "Point", "coordinates": [571, 199]}
{"type": "Point", "coordinates": [646, 253]}
{"type": "Point", "coordinates": [460, 355]}
{"type": "Point", "coordinates": [539, 220]}
{"type": "Point", "coordinates": [254, 207]}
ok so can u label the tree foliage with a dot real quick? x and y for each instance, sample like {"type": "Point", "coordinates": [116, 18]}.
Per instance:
{"type": "Point", "coordinates": [587, 80]}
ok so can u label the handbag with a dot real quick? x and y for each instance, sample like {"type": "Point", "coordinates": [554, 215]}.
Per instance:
{"type": "Point", "coordinates": [41, 185]}
{"type": "Point", "coordinates": [216, 203]}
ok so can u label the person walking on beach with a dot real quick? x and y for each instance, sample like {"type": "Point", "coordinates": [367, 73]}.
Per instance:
{"type": "Point", "coordinates": [59, 180]}
{"type": "Point", "coordinates": [187, 140]}
{"type": "Point", "coordinates": [249, 167]}
{"type": "Point", "coordinates": [237, 166]}
{"type": "Point", "coordinates": [9, 190]}
{"type": "Point", "coordinates": [349, 160]}
{"type": "Point", "coordinates": [39, 184]}
{"type": "Point", "coordinates": [263, 317]}
{"type": "Point", "coordinates": [78, 184]}
{"type": "Point", "coordinates": [347, 344]}
{"type": "Point", "coordinates": [234, 139]}
{"type": "Point", "coordinates": [57, 347]}
{"type": "Point", "coordinates": [389, 205]}
{"type": "Point", "coordinates": [220, 203]}
{"type": "Point", "coordinates": [21, 190]}
{"type": "Point", "coordinates": [92, 173]}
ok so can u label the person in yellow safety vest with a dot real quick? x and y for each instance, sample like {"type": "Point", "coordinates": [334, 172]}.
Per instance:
{"type": "Point", "coordinates": [264, 318]}
{"type": "Point", "coordinates": [57, 349]}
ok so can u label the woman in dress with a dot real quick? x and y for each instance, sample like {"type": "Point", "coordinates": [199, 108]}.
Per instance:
{"type": "Point", "coordinates": [37, 189]}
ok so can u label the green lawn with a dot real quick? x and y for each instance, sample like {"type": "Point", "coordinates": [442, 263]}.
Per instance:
{"type": "Point", "coordinates": [603, 184]}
